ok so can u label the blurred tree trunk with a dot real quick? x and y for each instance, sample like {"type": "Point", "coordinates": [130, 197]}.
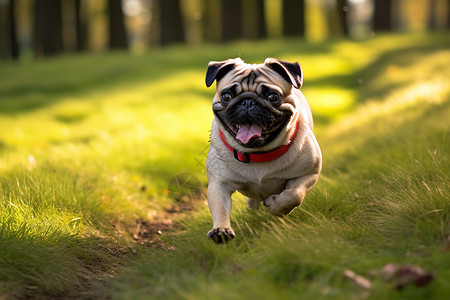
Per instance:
{"type": "Point", "coordinates": [171, 22]}
{"type": "Point", "coordinates": [261, 28]}
{"type": "Point", "coordinates": [48, 38]}
{"type": "Point", "coordinates": [382, 17]}
{"type": "Point", "coordinates": [154, 30]}
{"type": "Point", "coordinates": [9, 47]}
{"type": "Point", "coordinates": [80, 26]}
{"type": "Point", "coordinates": [117, 32]}
{"type": "Point", "coordinates": [211, 21]}
{"type": "Point", "coordinates": [4, 47]}
{"type": "Point", "coordinates": [293, 18]}
{"type": "Point", "coordinates": [12, 30]}
{"type": "Point", "coordinates": [254, 22]}
{"type": "Point", "coordinates": [342, 9]}
{"type": "Point", "coordinates": [232, 28]}
{"type": "Point", "coordinates": [448, 14]}
{"type": "Point", "coordinates": [432, 15]}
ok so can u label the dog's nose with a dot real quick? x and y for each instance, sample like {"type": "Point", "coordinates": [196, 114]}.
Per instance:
{"type": "Point", "coordinates": [247, 103]}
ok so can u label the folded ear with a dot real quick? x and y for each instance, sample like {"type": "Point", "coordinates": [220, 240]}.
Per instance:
{"type": "Point", "coordinates": [218, 69]}
{"type": "Point", "coordinates": [291, 72]}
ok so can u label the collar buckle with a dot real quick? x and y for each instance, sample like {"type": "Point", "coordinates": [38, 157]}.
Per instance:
{"type": "Point", "coordinates": [242, 157]}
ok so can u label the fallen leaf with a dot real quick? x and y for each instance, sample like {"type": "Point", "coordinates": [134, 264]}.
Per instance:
{"type": "Point", "coordinates": [409, 274]}
{"type": "Point", "coordinates": [389, 271]}
{"type": "Point", "coordinates": [404, 275]}
{"type": "Point", "coordinates": [357, 279]}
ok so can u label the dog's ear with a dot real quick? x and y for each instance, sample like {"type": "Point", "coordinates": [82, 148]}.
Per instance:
{"type": "Point", "coordinates": [291, 72]}
{"type": "Point", "coordinates": [218, 69]}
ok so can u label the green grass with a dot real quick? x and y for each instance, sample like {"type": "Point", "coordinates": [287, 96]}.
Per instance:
{"type": "Point", "coordinates": [90, 143]}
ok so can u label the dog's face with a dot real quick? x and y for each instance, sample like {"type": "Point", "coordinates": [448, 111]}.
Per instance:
{"type": "Point", "coordinates": [253, 103]}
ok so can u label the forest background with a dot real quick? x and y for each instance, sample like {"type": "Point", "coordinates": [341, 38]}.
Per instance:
{"type": "Point", "coordinates": [37, 28]}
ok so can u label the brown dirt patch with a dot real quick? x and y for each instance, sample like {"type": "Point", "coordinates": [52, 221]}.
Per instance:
{"type": "Point", "coordinates": [149, 233]}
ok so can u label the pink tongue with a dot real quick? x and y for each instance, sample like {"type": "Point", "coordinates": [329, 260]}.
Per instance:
{"type": "Point", "coordinates": [247, 132]}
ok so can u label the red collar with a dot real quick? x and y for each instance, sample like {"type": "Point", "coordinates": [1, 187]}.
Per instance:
{"type": "Point", "coordinates": [263, 156]}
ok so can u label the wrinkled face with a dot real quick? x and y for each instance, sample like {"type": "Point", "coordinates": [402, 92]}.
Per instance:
{"type": "Point", "coordinates": [252, 103]}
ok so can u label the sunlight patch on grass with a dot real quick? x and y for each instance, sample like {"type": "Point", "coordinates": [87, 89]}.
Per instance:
{"type": "Point", "coordinates": [417, 94]}
{"type": "Point", "coordinates": [330, 101]}
{"type": "Point", "coordinates": [316, 67]}
{"type": "Point", "coordinates": [71, 111]}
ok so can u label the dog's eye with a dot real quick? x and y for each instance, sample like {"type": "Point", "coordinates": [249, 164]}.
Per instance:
{"type": "Point", "coordinates": [226, 97]}
{"type": "Point", "coordinates": [273, 97]}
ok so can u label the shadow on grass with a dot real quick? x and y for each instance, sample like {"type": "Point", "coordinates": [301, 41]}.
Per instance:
{"type": "Point", "coordinates": [406, 138]}
{"type": "Point", "coordinates": [388, 65]}
{"type": "Point", "coordinates": [35, 85]}
{"type": "Point", "coordinates": [57, 266]}
{"type": "Point", "coordinates": [39, 84]}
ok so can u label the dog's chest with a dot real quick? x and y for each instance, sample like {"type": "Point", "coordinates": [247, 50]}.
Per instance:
{"type": "Point", "coordinates": [260, 188]}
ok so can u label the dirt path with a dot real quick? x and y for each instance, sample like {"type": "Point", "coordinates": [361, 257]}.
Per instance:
{"type": "Point", "coordinates": [149, 232]}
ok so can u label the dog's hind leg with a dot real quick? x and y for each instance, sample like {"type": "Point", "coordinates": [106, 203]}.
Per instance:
{"type": "Point", "coordinates": [296, 189]}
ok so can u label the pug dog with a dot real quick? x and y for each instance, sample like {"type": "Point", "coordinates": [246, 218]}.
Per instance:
{"type": "Point", "coordinates": [262, 143]}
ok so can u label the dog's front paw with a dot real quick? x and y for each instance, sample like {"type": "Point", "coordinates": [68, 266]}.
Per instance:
{"type": "Point", "coordinates": [221, 235]}
{"type": "Point", "coordinates": [281, 204]}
